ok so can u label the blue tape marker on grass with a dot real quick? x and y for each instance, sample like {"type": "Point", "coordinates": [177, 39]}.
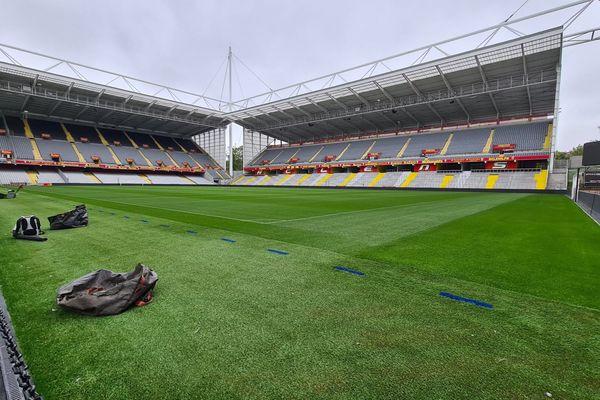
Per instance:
{"type": "Point", "coordinates": [228, 240]}
{"type": "Point", "coordinates": [192, 232]}
{"type": "Point", "coordinates": [165, 226]}
{"type": "Point", "coordinates": [464, 299]}
{"type": "Point", "coordinates": [349, 270]}
{"type": "Point", "coordinates": [283, 253]}
{"type": "Point", "coordinates": [144, 221]}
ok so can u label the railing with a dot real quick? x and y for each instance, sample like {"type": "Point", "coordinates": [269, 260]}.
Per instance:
{"type": "Point", "coordinates": [507, 170]}
{"type": "Point", "coordinates": [590, 203]}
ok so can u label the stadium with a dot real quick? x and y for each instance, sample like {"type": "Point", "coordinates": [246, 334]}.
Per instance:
{"type": "Point", "coordinates": [398, 229]}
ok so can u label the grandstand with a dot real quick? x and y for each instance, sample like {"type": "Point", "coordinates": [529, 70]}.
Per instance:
{"type": "Point", "coordinates": [478, 120]}
{"type": "Point", "coordinates": [483, 119]}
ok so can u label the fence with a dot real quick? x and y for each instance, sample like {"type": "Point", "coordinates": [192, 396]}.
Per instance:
{"type": "Point", "coordinates": [590, 203]}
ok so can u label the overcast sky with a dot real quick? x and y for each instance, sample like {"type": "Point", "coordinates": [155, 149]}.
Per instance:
{"type": "Point", "coordinates": [183, 43]}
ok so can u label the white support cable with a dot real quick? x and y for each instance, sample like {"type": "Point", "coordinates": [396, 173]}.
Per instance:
{"type": "Point", "coordinates": [492, 28]}
{"type": "Point", "coordinates": [10, 58]}
{"type": "Point", "coordinates": [252, 72]}
{"type": "Point", "coordinates": [214, 76]}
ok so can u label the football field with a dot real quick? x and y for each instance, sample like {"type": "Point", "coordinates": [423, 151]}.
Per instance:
{"type": "Point", "coordinates": [232, 319]}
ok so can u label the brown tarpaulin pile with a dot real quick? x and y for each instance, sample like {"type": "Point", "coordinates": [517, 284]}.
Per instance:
{"type": "Point", "coordinates": [104, 292]}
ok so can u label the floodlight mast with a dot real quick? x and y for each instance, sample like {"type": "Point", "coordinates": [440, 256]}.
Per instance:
{"type": "Point", "coordinates": [230, 109]}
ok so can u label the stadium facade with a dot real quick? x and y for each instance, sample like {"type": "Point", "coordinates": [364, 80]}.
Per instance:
{"type": "Point", "coordinates": [482, 119]}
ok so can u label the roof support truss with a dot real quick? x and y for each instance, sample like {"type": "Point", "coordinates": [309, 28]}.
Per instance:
{"type": "Point", "coordinates": [485, 82]}
{"type": "Point", "coordinates": [526, 78]}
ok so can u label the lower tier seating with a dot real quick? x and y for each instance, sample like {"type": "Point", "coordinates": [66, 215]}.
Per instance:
{"type": "Point", "coordinates": [511, 180]}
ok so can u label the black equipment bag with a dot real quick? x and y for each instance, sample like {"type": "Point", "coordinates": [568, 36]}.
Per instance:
{"type": "Point", "coordinates": [28, 228]}
{"type": "Point", "coordinates": [71, 219]}
{"type": "Point", "coordinates": [104, 292]}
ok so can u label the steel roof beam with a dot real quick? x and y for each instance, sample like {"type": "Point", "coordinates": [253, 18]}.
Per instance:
{"type": "Point", "coordinates": [300, 109]}
{"type": "Point", "coordinates": [447, 83]}
{"type": "Point", "coordinates": [33, 86]}
{"type": "Point", "coordinates": [526, 77]}
{"type": "Point", "coordinates": [542, 77]}
{"type": "Point", "coordinates": [320, 107]}
{"type": "Point", "coordinates": [485, 82]}
{"type": "Point", "coordinates": [359, 97]}
{"type": "Point", "coordinates": [385, 92]}
{"type": "Point", "coordinates": [338, 102]}
{"type": "Point", "coordinates": [419, 93]}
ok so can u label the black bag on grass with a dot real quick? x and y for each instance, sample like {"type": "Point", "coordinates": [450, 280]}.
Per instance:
{"type": "Point", "coordinates": [28, 228]}
{"type": "Point", "coordinates": [106, 293]}
{"type": "Point", "coordinates": [76, 218]}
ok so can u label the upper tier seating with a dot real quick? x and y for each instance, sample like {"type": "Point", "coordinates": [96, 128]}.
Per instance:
{"type": "Point", "coordinates": [203, 159]}
{"type": "Point", "coordinates": [307, 153]}
{"type": "Point", "coordinates": [125, 152]}
{"type": "Point", "coordinates": [39, 127]}
{"type": "Point", "coordinates": [154, 155]}
{"type": "Point", "coordinates": [167, 142]}
{"type": "Point", "coordinates": [418, 143]}
{"type": "Point", "coordinates": [142, 140]}
{"type": "Point", "coordinates": [79, 131]}
{"type": "Point", "coordinates": [389, 147]}
{"type": "Point", "coordinates": [357, 150]}
{"type": "Point", "coordinates": [20, 146]}
{"type": "Point", "coordinates": [88, 150]}
{"type": "Point", "coordinates": [15, 126]}
{"type": "Point", "coordinates": [180, 157]}
{"type": "Point", "coordinates": [112, 135]}
{"type": "Point", "coordinates": [187, 144]}
{"type": "Point", "coordinates": [469, 142]}
{"type": "Point", "coordinates": [61, 147]}
{"type": "Point", "coordinates": [525, 136]}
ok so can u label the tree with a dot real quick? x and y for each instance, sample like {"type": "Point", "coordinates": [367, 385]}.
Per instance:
{"type": "Point", "coordinates": [238, 158]}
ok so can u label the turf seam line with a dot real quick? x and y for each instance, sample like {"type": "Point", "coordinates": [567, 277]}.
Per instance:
{"type": "Point", "coordinates": [466, 300]}
{"type": "Point", "coordinates": [283, 253]}
{"type": "Point", "coordinates": [352, 271]}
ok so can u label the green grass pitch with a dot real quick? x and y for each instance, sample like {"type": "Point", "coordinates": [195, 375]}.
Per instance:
{"type": "Point", "coordinates": [234, 321]}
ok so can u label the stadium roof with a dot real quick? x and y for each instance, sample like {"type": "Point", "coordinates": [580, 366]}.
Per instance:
{"type": "Point", "coordinates": [50, 95]}
{"type": "Point", "coordinates": [517, 78]}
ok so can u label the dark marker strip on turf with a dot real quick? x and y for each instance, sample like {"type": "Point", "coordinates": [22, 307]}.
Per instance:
{"type": "Point", "coordinates": [228, 240]}
{"type": "Point", "coordinates": [126, 216]}
{"type": "Point", "coordinates": [144, 221]}
{"type": "Point", "coordinates": [113, 213]}
{"type": "Point", "coordinates": [165, 226]}
{"type": "Point", "coordinates": [349, 270]}
{"type": "Point", "coordinates": [466, 300]}
{"type": "Point", "coordinates": [192, 232]}
{"type": "Point", "coordinates": [283, 253]}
